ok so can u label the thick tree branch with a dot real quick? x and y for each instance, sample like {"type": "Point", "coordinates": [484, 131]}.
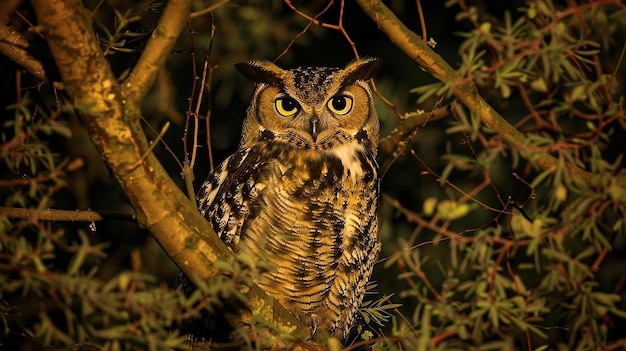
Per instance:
{"type": "Point", "coordinates": [111, 113]}
{"type": "Point", "coordinates": [113, 123]}
{"type": "Point", "coordinates": [157, 50]}
{"type": "Point", "coordinates": [466, 92]}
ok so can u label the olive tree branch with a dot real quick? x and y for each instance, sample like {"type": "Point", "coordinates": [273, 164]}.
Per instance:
{"type": "Point", "coordinates": [465, 91]}
{"type": "Point", "coordinates": [171, 23]}
{"type": "Point", "coordinates": [111, 112]}
{"type": "Point", "coordinates": [112, 120]}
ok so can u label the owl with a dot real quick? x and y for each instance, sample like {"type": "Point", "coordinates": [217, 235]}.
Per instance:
{"type": "Point", "coordinates": [301, 192]}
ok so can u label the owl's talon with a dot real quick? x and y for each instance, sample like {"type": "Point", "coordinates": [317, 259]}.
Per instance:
{"type": "Point", "coordinates": [314, 323]}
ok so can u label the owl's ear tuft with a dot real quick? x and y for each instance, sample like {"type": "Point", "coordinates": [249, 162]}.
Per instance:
{"type": "Point", "coordinates": [261, 72]}
{"type": "Point", "coordinates": [361, 69]}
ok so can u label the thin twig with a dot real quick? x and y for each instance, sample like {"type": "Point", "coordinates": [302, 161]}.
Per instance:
{"type": "Point", "coordinates": [420, 13]}
{"type": "Point", "coordinates": [208, 9]}
{"type": "Point", "coordinates": [208, 70]}
{"type": "Point", "coordinates": [159, 137]}
{"type": "Point", "coordinates": [617, 66]}
{"type": "Point", "coordinates": [338, 26]}
{"type": "Point", "coordinates": [306, 28]}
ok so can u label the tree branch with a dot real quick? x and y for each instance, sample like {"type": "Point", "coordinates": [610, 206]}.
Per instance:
{"type": "Point", "coordinates": [466, 92]}
{"type": "Point", "coordinates": [111, 113]}
{"type": "Point", "coordinates": [208, 9]}
{"type": "Point", "coordinates": [65, 215]}
{"type": "Point", "coordinates": [406, 126]}
{"type": "Point", "coordinates": [113, 124]}
{"type": "Point", "coordinates": [157, 50]}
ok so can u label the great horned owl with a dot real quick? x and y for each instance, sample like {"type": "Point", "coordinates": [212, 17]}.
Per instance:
{"type": "Point", "coordinates": [301, 192]}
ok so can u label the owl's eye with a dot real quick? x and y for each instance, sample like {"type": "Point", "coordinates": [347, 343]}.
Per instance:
{"type": "Point", "coordinates": [286, 106]}
{"type": "Point", "coordinates": [340, 104]}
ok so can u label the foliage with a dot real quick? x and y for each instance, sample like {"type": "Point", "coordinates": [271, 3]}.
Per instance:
{"type": "Point", "coordinates": [519, 256]}
{"type": "Point", "coordinates": [484, 246]}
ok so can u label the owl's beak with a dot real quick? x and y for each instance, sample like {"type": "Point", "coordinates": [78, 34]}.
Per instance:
{"type": "Point", "coordinates": [315, 128]}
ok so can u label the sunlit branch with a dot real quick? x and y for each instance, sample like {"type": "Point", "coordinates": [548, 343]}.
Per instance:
{"type": "Point", "coordinates": [171, 23]}
{"type": "Point", "coordinates": [65, 215]}
{"type": "Point", "coordinates": [114, 126]}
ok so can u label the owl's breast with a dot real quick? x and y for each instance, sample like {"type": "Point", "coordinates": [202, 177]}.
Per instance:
{"type": "Point", "coordinates": [310, 214]}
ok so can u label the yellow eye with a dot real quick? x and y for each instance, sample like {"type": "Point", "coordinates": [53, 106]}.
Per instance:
{"type": "Point", "coordinates": [286, 106]}
{"type": "Point", "coordinates": [340, 104]}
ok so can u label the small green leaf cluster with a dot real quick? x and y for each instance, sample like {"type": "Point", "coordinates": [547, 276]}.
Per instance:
{"type": "Point", "coordinates": [127, 28]}
{"type": "Point", "coordinates": [28, 158]}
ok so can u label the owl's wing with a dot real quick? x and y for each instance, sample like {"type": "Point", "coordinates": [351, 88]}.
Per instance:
{"type": "Point", "coordinates": [226, 224]}
{"type": "Point", "coordinates": [234, 185]}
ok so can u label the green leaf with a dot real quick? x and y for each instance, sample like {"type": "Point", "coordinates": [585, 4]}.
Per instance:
{"type": "Point", "coordinates": [449, 210]}
{"type": "Point", "coordinates": [429, 206]}
{"type": "Point", "coordinates": [579, 93]}
{"type": "Point", "coordinates": [539, 85]}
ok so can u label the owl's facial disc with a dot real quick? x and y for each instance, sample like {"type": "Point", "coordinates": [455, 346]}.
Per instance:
{"type": "Point", "coordinates": [313, 122]}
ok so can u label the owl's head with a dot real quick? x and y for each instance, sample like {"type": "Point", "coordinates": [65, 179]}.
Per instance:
{"type": "Point", "coordinates": [311, 107]}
